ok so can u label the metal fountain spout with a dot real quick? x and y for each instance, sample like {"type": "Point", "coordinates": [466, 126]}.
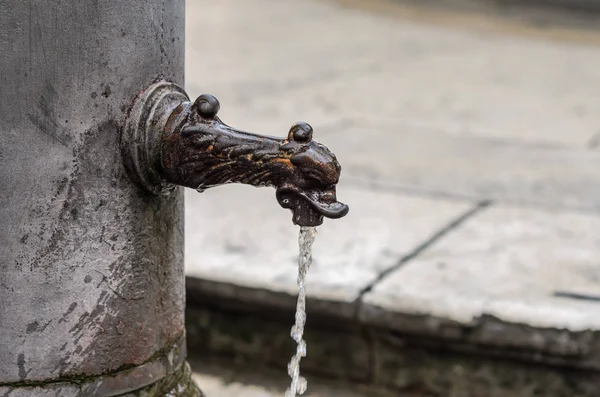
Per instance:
{"type": "Point", "coordinates": [167, 141]}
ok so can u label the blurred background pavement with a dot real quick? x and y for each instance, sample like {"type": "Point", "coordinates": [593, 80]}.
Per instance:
{"type": "Point", "coordinates": [469, 138]}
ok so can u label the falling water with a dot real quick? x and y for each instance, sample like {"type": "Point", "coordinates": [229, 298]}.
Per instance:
{"type": "Point", "coordinates": [305, 241]}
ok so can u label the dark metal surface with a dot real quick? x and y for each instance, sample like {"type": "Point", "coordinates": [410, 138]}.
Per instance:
{"type": "Point", "coordinates": [167, 144]}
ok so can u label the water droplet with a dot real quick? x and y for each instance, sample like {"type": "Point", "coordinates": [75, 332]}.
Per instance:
{"type": "Point", "coordinates": [302, 348]}
{"type": "Point", "coordinates": [302, 385]}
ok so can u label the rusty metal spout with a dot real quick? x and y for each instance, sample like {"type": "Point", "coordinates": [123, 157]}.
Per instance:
{"type": "Point", "coordinates": [168, 141]}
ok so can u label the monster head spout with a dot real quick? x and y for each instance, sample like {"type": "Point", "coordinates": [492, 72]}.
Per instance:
{"type": "Point", "coordinates": [199, 151]}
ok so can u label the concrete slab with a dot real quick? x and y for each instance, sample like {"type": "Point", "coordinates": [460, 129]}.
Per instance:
{"type": "Point", "coordinates": [239, 239]}
{"type": "Point", "coordinates": [261, 48]}
{"type": "Point", "coordinates": [520, 279]}
{"type": "Point", "coordinates": [321, 61]}
{"type": "Point", "coordinates": [427, 161]}
{"type": "Point", "coordinates": [489, 86]}
{"type": "Point", "coordinates": [254, 54]}
{"type": "Point", "coordinates": [444, 109]}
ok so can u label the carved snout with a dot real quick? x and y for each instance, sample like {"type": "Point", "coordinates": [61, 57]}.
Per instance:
{"type": "Point", "coordinates": [311, 193]}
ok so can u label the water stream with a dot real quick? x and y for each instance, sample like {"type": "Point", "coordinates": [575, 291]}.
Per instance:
{"type": "Point", "coordinates": [305, 241]}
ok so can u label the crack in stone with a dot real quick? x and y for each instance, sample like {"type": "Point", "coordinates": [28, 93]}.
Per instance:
{"type": "Point", "coordinates": [439, 234]}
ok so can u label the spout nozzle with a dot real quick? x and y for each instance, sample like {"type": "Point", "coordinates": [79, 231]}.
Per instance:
{"type": "Point", "coordinates": [310, 206]}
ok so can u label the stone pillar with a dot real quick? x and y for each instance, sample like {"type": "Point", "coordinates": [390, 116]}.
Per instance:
{"type": "Point", "coordinates": [91, 267]}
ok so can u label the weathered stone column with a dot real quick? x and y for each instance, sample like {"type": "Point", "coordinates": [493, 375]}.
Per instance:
{"type": "Point", "coordinates": [91, 267]}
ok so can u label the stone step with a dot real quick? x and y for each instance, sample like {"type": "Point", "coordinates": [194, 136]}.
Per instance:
{"type": "Point", "coordinates": [449, 284]}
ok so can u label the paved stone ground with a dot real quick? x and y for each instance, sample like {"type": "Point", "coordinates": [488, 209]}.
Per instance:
{"type": "Point", "coordinates": [471, 167]}
{"type": "Point", "coordinates": [227, 381]}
